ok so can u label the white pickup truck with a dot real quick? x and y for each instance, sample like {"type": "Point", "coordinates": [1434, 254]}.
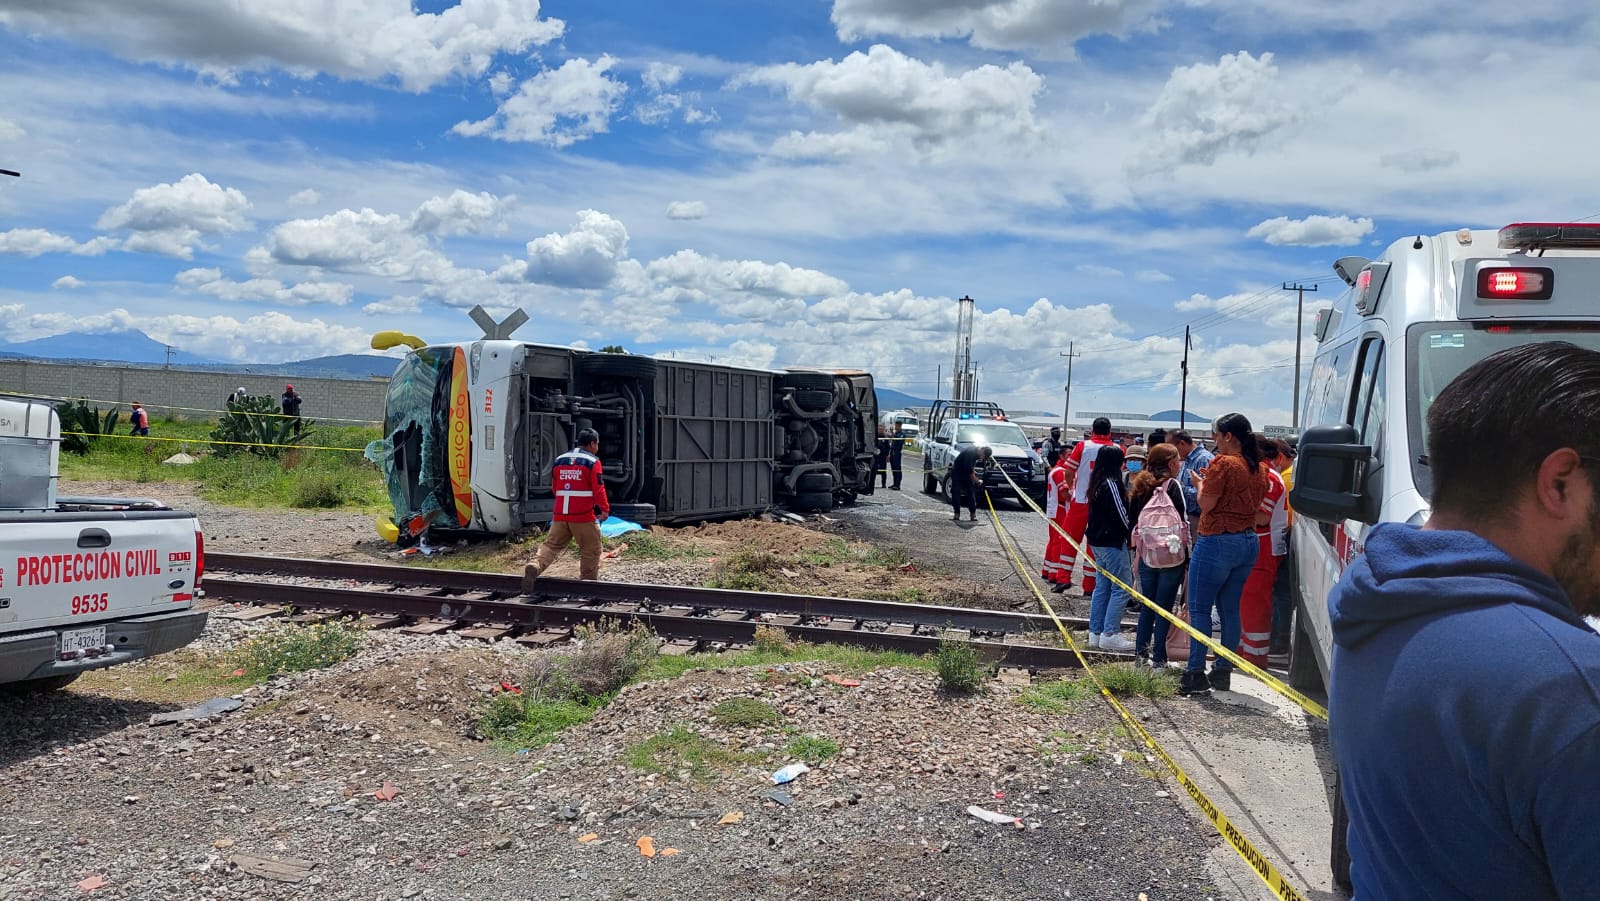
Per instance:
{"type": "Point", "coordinates": [85, 583]}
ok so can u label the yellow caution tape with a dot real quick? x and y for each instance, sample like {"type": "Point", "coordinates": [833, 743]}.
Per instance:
{"type": "Point", "coordinates": [212, 441]}
{"type": "Point", "coordinates": [1259, 862]}
{"type": "Point", "coordinates": [119, 403]}
{"type": "Point", "coordinates": [1266, 678]}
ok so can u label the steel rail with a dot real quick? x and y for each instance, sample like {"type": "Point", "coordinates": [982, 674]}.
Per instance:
{"type": "Point", "coordinates": [537, 615]}
{"type": "Point", "coordinates": [971, 619]}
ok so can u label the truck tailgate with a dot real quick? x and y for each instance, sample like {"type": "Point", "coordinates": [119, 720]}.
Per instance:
{"type": "Point", "coordinates": [78, 569]}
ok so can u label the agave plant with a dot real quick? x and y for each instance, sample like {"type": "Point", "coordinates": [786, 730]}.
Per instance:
{"type": "Point", "coordinates": [82, 425]}
{"type": "Point", "coordinates": [252, 423]}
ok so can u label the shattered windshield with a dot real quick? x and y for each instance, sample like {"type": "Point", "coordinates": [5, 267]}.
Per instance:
{"type": "Point", "coordinates": [412, 451]}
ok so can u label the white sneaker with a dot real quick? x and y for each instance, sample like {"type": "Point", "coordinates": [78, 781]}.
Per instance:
{"type": "Point", "coordinates": [1115, 641]}
{"type": "Point", "coordinates": [1094, 639]}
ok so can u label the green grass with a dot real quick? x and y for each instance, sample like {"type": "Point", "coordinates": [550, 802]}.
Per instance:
{"type": "Point", "coordinates": [744, 713]}
{"type": "Point", "coordinates": [529, 722]}
{"type": "Point", "coordinates": [684, 749]}
{"type": "Point", "coordinates": [1056, 697]}
{"type": "Point", "coordinates": [756, 569]}
{"type": "Point", "coordinates": [813, 749]}
{"type": "Point", "coordinates": [838, 657]}
{"type": "Point", "coordinates": [1125, 680]}
{"type": "Point", "coordinates": [645, 546]}
{"type": "Point", "coordinates": [290, 648]}
{"type": "Point", "coordinates": [303, 477]}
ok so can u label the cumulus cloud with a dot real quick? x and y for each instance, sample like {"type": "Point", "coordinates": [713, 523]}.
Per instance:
{"type": "Point", "coordinates": [170, 218]}
{"type": "Point", "coordinates": [687, 275]}
{"type": "Point", "coordinates": [686, 209]}
{"type": "Point", "coordinates": [67, 281]}
{"type": "Point", "coordinates": [1422, 160]}
{"type": "Point", "coordinates": [558, 107]}
{"type": "Point", "coordinates": [1043, 25]}
{"type": "Point", "coordinates": [660, 76]}
{"type": "Point", "coordinates": [32, 242]}
{"type": "Point", "coordinates": [267, 290]}
{"type": "Point", "coordinates": [585, 257]}
{"type": "Point", "coordinates": [393, 306]}
{"type": "Point", "coordinates": [1312, 231]}
{"type": "Point", "coordinates": [883, 94]}
{"type": "Point", "coordinates": [308, 197]}
{"type": "Point", "coordinates": [361, 39]}
{"type": "Point", "coordinates": [387, 244]}
{"type": "Point", "coordinates": [460, 214]}
{"type": "Point", "coordinates": [1206, 110]}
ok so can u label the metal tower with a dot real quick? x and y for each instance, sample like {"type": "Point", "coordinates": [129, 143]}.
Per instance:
{"type": "Point", "coordinates": [963, 379]}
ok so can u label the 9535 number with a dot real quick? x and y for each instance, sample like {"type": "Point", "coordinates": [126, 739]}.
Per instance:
{"type": "Point", "coordinates": [90, 603]}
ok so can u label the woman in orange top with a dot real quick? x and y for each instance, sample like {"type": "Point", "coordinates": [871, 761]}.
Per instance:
{"type": "Point", "coordinates": [1230, 493]}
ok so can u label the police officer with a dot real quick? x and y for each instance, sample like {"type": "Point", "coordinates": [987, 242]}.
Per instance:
{"type": "Point", "coordinates": [580, 505]}
{"type": "Point", "coordinates": [1052, 446]}
{"type": "Point", "coordinates": [897, 447]}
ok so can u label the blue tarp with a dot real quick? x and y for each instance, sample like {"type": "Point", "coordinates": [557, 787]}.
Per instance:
{"type": "Point", "coordinates": [615, 525]}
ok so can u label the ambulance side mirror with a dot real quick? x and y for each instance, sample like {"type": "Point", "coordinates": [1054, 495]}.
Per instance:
{"type": "Point", "coordinates": [1330, 476]}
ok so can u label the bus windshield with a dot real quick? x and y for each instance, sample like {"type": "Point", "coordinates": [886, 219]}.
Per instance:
{"type": "Point", "coordinates": [1440, 351]}
{"type": "Point", "coordinates": [411, 452]}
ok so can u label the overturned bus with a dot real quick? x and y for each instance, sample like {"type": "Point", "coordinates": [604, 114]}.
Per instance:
{"type": "Point", "coordinates": [471, 430]}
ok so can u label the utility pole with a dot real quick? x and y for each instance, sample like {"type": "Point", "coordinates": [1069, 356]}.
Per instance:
{"type": "Point", "coordinates": [1183, 398]}
{"type": "Point", "coordinates": [1066, 409]}
{"type": "Point", "coordinates": [1299, 332]}
{"type": "Point", "coordinates": [938, 382]}
{"type": "Point", "coordinates": [170, 348]}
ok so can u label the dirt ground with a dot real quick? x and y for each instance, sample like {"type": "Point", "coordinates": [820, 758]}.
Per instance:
{"type": "Point", "coordinates": [292, 775]}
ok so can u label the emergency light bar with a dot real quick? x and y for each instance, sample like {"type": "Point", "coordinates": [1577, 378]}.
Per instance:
{"type": "Point", "coordinates": [1519, 283]}
{"type": "Point", "coordinates": [1536, 235]}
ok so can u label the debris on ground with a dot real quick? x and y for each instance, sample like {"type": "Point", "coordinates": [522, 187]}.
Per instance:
{"type": "Point", "coordinates": [211, 708]}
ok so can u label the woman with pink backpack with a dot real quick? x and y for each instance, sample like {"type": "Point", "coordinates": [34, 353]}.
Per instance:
{"type": "Point", "coordinates": [1160, 540]}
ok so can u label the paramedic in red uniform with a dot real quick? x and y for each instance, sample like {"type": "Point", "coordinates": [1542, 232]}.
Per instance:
{"type": "Point", "coordinates": [1272, 538]}
{"type": "Point", "coordinates": [1079, 464]}
{"type": "Point", "coordinates": [581, 504]}
{"type": "Point", "coordinates": [1058, 556]}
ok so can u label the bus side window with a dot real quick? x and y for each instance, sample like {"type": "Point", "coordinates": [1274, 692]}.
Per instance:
{"type": "Point", "coordinates": [1329, 396]}
{"type": "Point", "coordinates": [1367, 415]}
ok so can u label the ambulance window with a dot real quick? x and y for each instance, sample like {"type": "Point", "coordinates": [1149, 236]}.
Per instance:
{"type": "Point", "coordinates": [1366, 412]}
{"type": "Point", "coordinates": [1327, 392]}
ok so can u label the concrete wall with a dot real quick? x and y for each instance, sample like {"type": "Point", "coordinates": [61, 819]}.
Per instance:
{"type": "Point", "coordinates": [194, 393]}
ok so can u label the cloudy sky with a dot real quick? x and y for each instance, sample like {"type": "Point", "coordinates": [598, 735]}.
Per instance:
{"type": "Point", "coordinates": [773, 183]}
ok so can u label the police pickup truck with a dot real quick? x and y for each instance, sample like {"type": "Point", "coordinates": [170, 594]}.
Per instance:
{"type": "Point", "coordinates": [85, 583]}
{"type": "Point", "coordinates": [955, 426]}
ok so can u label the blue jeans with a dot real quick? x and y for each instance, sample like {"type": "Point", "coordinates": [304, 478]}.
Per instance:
{"type": "Point", "coordinates": [1161, 586]}
{"type": "Point", "coordinates": [1109, 601]}
{"type": "Point", "coordinates": [1218, 569]}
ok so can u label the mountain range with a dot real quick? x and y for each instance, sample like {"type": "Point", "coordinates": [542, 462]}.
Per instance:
{"type": "Point", "coordinates": [134, 346]}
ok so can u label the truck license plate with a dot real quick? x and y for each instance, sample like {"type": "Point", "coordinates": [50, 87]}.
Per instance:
{"type": "Point", "coordinates": [83, 639]}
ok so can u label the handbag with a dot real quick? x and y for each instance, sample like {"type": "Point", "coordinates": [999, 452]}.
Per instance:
{"type": "Point", "coordinates": [1177, 639]}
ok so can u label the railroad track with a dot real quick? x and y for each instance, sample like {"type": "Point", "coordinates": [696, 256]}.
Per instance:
{"type": "Point", "coordinates": [493, 605]}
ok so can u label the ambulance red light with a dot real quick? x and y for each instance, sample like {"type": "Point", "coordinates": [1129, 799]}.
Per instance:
{"type": "Point", "coordinates": [1539, 235]}
{"type": "Point", "coordinates": [1515, 284]}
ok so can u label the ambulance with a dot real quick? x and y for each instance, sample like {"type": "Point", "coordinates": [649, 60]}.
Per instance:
{"type": "Point", "coordinates": [1411, 321]}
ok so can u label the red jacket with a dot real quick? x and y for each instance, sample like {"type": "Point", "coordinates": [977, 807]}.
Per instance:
{"type": "Point", "coordinates": [578, 487]}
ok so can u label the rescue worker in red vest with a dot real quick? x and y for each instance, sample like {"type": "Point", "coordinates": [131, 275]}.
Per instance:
{"type": "Point", "coordinates": [1079, 464]}
{"type": "Point", "coordinates": [581, 504]}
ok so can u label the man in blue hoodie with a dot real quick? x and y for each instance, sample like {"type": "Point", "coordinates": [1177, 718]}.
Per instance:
{"type": "Point", "coordinates": [1465, 709]}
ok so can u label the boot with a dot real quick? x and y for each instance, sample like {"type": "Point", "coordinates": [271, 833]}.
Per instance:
{"type": "Point", "coordinates": [1193, 683]}
{"type": "Point", "coordinates": [530, 578]}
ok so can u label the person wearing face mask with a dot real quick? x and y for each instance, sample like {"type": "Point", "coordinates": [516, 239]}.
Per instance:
{"type": "Point", "coordinates": [1465, 692]}
{"type": "Point", "coordinates": [1136, 455]}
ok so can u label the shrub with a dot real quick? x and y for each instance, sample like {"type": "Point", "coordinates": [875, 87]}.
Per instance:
{"type": "Point", "coordinates": [773, 640]}
{"type": "Point", "coordinates": [957, 662]}
{"type": "Point", "coordinates": [744, 712]}
{"type": "Point", "coordinates": [813, 750]}
{"type": "Point", "coordinates": [319, 491]}
{"type": "Point", "coordinates": [290, 648]}
{"type": "Point", "coordinates": [607, 656]}
{"type": "Point", "coordinates": [1057, 696]}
